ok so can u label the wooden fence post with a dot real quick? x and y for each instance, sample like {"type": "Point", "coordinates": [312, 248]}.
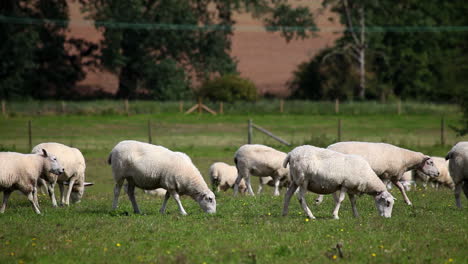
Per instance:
{"type": "Point", "coordinates": [126, 106]}
{"type": "Point", "coordinates": [399, 107]}
{"type": "Point", "coordinates": [249, 130]}
{"type": "Point", "coordinates": [29, 135]}
{"type": "Point", "coordinates": [181, 106]}
{"type": "Point", "coordinates": [281, 106]}
{"type": "Point", "coordinates": [337, 106]}
{"type": "Point", "coordinates": [442, 131]}
{"type": "Point", "coordinates": [339, 130]}
{"type": "Point", "coordinates": [221, 108]}
{"type": "Point", "coordinates": [64, 110]}
{"type": "Point", "coordinates": [3, 107]}
{"type": "Point", "coordinates": [150, 140]}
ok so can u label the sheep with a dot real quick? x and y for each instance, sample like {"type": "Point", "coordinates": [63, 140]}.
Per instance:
{"type": "Point", "coordinates": [444, 178]}
{"type": "Point", "coordinates": [159, 192]}
{"type": "Point", "coordinates": [389, 162]}
{"type": "Point", "coordinates": [74, 164]}
{"type": "Point", "coordinates": [261, 161]}
{"type": "Point", "coordinates": [21, 171]}
{"type": "Point", "coordinates": [458, 167]}
{"type": "Point", "coordinates": [150, 167]}
{"type": "Point", "coordinates": [223, 176]}
{"type": "Point", "coordinates": [326, 171]}
{"type": "Point", "coordinates": [284, 182]}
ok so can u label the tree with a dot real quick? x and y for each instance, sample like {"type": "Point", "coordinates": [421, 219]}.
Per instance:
{"type": "Point", "coordinates": [35, 59]}
{"type": "Point", "coordinates": [149, 42]}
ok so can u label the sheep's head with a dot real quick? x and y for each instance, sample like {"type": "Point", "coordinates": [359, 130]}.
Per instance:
{"type": "Point", "coordinates": [52, 165]}
{"type": "Point", "coordinates": [428, 167]}
{"type": "Point", "coordinates": [207, 202]}
{"type": "Point", "coordinates": [384, 202]}
{"type": "Point", "coordinates": [77, 191]}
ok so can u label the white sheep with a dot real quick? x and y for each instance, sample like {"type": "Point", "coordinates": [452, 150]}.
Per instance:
{"type": "Point", "coordinates": [389, 162]}
{"type": "Point", "coordinates": [284, 182]}
{"type": "Point", "coordinates": [223, 176]}
{"type": "Point", "coordinates": [458, 167]}
{"type": "Point", "coordinates": [326, 171]}
{"type": "Point", "coordinates": [444, 178]}
{"type": "Point", "coordinates": [74, 166]}
{"type": "Point", "coordinates": [150, 167]}
{"type": "Point", "coordinates": [21, 172]}
{"type": "Point", "coordinates": [261, 161]}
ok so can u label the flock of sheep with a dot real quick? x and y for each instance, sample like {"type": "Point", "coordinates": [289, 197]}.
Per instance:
{"type": "Point", "coordinates": [351, 168]}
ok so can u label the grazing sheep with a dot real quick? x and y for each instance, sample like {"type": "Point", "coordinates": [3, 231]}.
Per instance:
{"type": "Point", "coordinates": [21, 172]}
{"type": "Point", "coordinates": [284, 182]}
{"type": "Point", "coordinates": [261, 161]}
{"type": "Point", "coordinates": [458, 167]}
{"type": "Point", "coordinates": [444, 178]}
{"type": "Point", "coordinates": [150, 167]}
{"type": "Point", "coordinates": [74, 165]}
{"type": "Point", "coordinates": [223, 176]}
{"type": "Point", "coordinates": [388, 161]}
{"type": "Point", "coordinates": [326, 171]}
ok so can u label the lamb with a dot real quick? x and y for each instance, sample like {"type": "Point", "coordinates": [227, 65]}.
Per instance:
{"type": "Point", "coordinates": [74, 176]}
{"type": "Point", "coordinates": [150, 167]}
{"type": "Point", "coordinates": [388, 161]}
{"type": "Point", "coordinates": [21, 172]}
{"type": "Point", "coordinates": [458, 167]}
{"type": "Point", "coordinates": [326, 171]}
{"type": "Point", "coordinates": [284, 182]}
{"type": "Point", "coordinates": [261, 161]}
{"type": "Point", "coordinates": [444, 178]}
{"type": "Point", "coordinates": [223, 176]}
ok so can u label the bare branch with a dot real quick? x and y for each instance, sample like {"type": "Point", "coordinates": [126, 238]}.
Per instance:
{"type": "Point", "coordinates": [350, 23]}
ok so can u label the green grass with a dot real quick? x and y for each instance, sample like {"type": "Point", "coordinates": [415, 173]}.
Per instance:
{"type": "Point", "coordinates": [244, 229]}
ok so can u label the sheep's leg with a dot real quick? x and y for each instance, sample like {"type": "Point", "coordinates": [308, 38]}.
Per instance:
{"type": "Point", "coordinates": [458, 188]}
{"type": "Point", "coordinates": [69, 190]}
{"type": "Point", "coordinates": [465, 188]}
{"type": "Point", "coordinates": [131, 196]}
{"type": "Point", "coordinates": [319, 199]}
{"type": "Point", "coordinates": [260, 186]}
{"type": "Point", "coordinates": [36, 200]}
{"type": "Point", "coordinates": [277, 183]}
{"type": "Point", "coordinates": [179, 203]}
{"type": "Point", "coordinates": [302, 201]}
{"type": "Point", "coordinates": [62, 193]}
{"type": "Point", "coordinates": [236, 184]}
{"type": "Point", "coordinates": [166, 198]}
{"type": "Point", "coordinates": [34, 205]}
{"type": "Point", "coordinates": [402, 190]}
{"type": "Point", "coordinates": [352, 199]}
{"type": "Point", "coordinates": [338, 203]}
{"type": "Point", "coordinates": [249, 186]}
{"type": "Point", "coordinates": [50, 189]}
{"type": "Point", "coordinates": [6, 195]}
{"type": "Point", "coordinates": [287, 197]}
{"type": "Point", "coordinates": [117, 188]}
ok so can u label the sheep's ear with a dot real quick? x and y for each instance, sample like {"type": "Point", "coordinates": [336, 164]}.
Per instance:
{"type": "Point", "coordinates": [426, 158]}
{"type": "Point", "coordinates": [88, 184]}
{"type": "Point", "coordinates": [44, 152]}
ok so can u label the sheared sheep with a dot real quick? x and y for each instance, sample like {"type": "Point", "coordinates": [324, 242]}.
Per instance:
{"type": "Point", "coordinates": [21, 172]}
{"type": "Point", "coordinates": [458, 167]}
{"type": "Point", "coordinates": [74, 165]}
{"type": "Point", "coordinates": [150, 167]}
{"type": "Point", "coordinates": [389, 162]}
{"type": "Point", "coordinates": [326, 171]}
{"type": "Point", "coordinates": [223, 176]}
{"type": "Point", "coordinates": [261, 161]}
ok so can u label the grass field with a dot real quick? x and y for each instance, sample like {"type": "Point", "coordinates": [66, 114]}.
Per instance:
{"type": "Point", "coordinates": [244, 229]}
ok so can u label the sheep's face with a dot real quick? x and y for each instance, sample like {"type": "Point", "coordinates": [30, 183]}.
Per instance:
{"type": "Point", "coordinates": [77, 193]}
{"type": "Point", "coordinates": [52, 164]}
{"type": "Point", "coordinates": [384, 203]}
{"type": "Point", "coordinates": [428, 167]}
{"type": "Point", "coordinates": [207, 202]}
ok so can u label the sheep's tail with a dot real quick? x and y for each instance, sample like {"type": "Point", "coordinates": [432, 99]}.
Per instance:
{"type": "Point", "coordinates": [109, 159]}
{"type": "Point", "coordinates": [449, 155]}
{"type": "Point", "coordinates": [286, 161]}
